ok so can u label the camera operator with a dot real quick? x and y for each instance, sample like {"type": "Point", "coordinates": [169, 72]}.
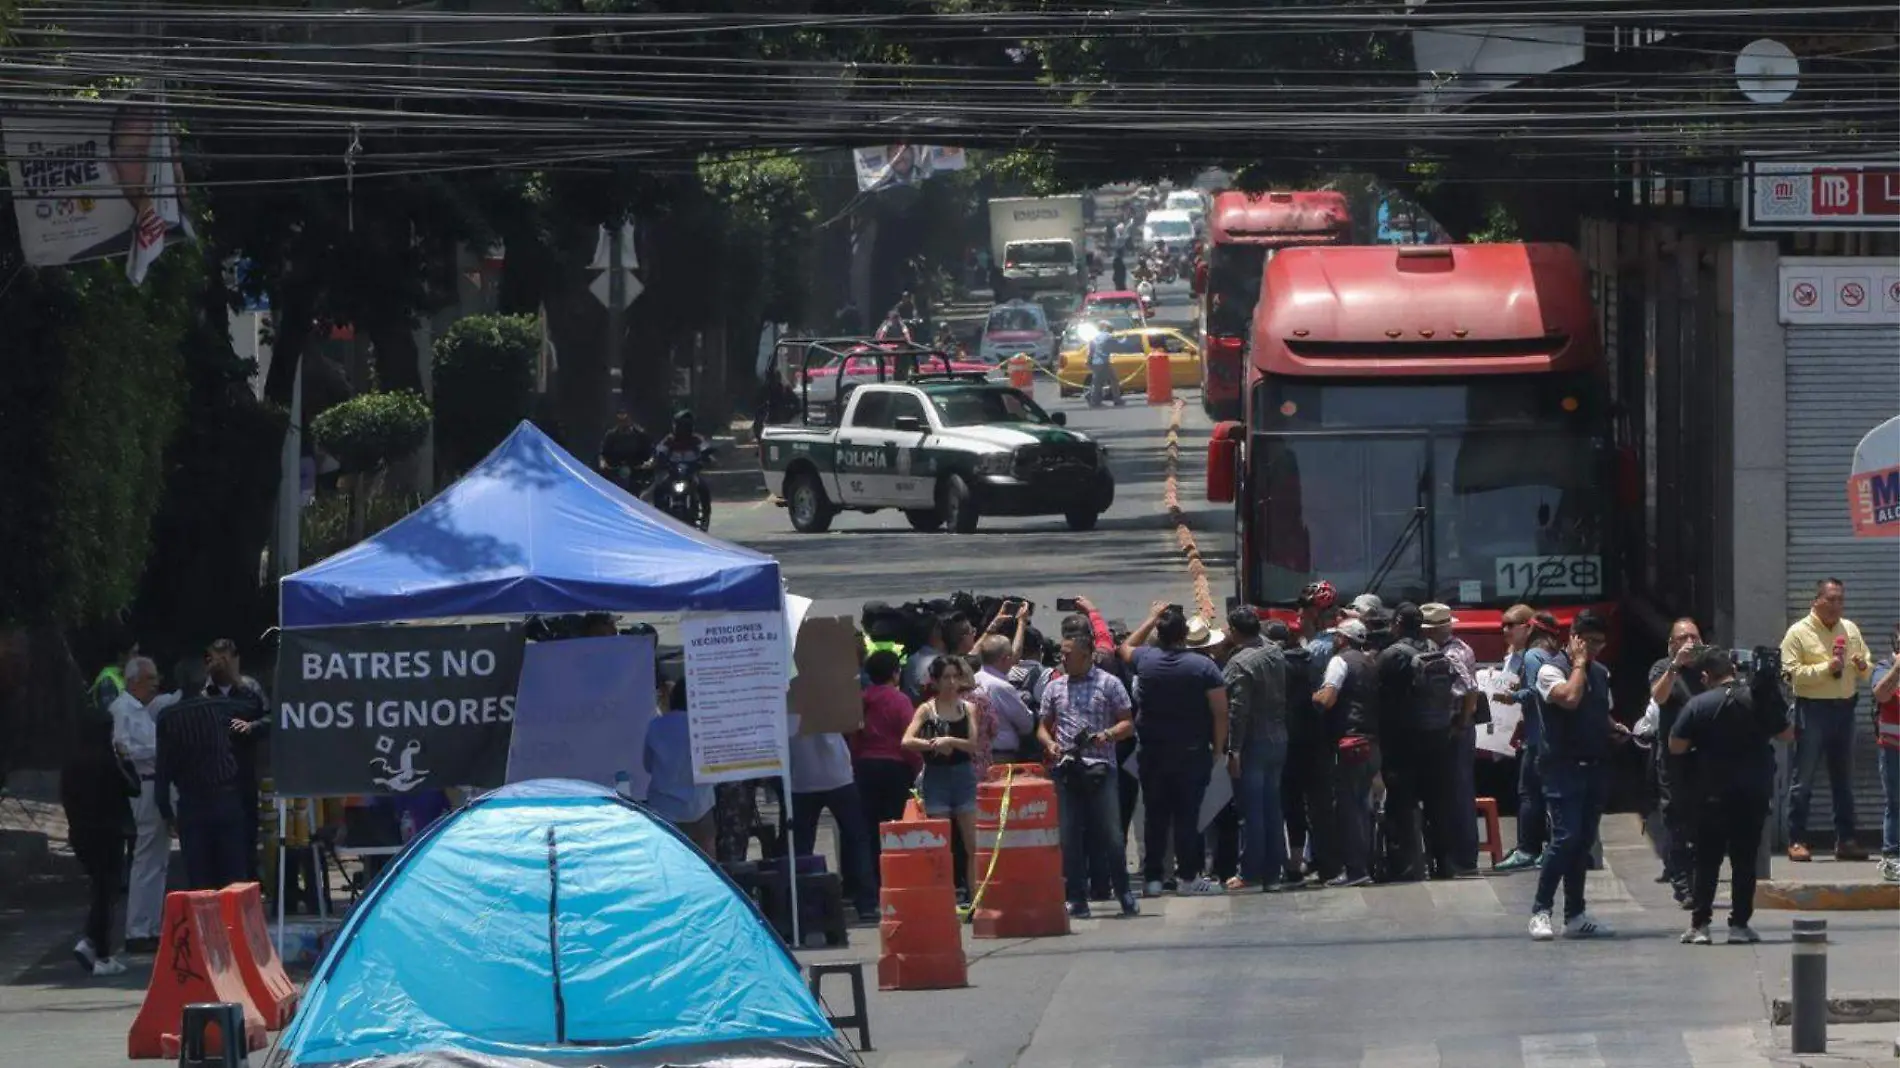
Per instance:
{"type": "Point", "coordinates": [1729, 731]}
{"type": "Point", "coordinates": [1085, 712]}
{"type": "Point", "coordinates": [1673, 680]}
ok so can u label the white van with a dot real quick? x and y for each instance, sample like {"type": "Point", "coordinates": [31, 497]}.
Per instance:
{"type": "Point", "coordinates": [1191, 201]}
{"type": "Point", "coordinates": [1173, 227]}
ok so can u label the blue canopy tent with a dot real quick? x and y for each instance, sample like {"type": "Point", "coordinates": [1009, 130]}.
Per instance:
{"type": "Point", "coordinates": [552, 924]}
{"type": "Point", "coordinates": [529, 531]}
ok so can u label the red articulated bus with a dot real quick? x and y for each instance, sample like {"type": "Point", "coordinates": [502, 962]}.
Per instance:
{"type": "Point", "coordinates": [1427, 423]}
{"type": "Point", "coordinates": [1242, 230]}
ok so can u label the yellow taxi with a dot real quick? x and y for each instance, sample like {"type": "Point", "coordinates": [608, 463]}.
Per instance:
{"type": "Point", "coordinates": [1128, 355]}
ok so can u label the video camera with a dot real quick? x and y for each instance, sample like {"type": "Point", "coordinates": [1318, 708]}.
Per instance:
{"type": "Point", "coordinates": [1759, 670]}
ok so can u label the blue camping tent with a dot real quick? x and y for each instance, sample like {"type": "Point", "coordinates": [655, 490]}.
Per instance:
{"type": "Point", "coordinates": [530, 530]}
{"type": "Point", "coordinates": [552, 923]}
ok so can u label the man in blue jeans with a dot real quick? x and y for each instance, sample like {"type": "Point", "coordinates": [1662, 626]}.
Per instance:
{"type": "Point", "coordinates": [1573, 697]}
{"type": "Point", "coordinates": [1085, 711]}
{"type": "Point", "coordinates": [1256, 749]}
{"type": "Point", "coordinates": [1825, 660]}
{"type": "Point", "coordinates": [1183, 724]}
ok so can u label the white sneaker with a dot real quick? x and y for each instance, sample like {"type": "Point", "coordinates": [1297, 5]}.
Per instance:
{"type": "Point", "coordinates": [1742, 935]}
{"type": "Point", "coordinates": [1541, 928]}
{"type": "Point", "coordinates": [1201, 887]}
{"type": "Point", "coordinates": [87, 957]}
{"type": "Point", "coordinates": [1584, 925]}
{"type": "Point", "coordinates": [1151, 889]}
{"type": "Point", "coordinates": [108, 966]}
{"type": "Point", "coordinates": [1696, 936]}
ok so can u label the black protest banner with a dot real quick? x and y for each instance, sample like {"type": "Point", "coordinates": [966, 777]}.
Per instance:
{"type": "Point", "coordinates": [390, 710]}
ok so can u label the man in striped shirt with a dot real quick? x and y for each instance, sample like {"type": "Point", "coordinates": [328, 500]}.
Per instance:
{"type": "Point", "coordinates": [196, 757]}
{"type": "Point", "coordinates": [1085, 711]}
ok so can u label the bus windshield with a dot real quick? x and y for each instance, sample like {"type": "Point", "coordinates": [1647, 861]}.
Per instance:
{"type": "Point", "coordinates": [1463, 510]}
{"type": "Point", "coordinates": [1233, 287]}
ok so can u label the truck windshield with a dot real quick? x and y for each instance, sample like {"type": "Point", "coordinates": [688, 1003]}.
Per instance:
{"type": "Point", "coordinates": [1233, 287]}
{"type": "Point", "coordinates": [1464, 514]}
{"type": "Point", "coordinates": [1040, 254]}
{"type": "Point", "coordinates": [1170, 227]}
{"type": "Point", "coordinates": [977, 406]}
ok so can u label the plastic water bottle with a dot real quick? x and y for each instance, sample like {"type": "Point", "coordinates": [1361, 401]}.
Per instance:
{"type": "Point", "coordinates": [623, 785]}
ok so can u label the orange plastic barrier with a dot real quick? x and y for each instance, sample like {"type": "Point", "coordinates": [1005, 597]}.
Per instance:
{"type": "Point", "coordinates": [1018, 856]}
{"type": "Point", "coordinates": [271, 990]}
{"type": "Point", "coordinates": [920, 939]}
{"type": "Point", "coordinates": [1022, 372]}
{"type": "Point", "coordinates": [1160, 379]}
{"type": "Point", "coordinates": [195, 964]}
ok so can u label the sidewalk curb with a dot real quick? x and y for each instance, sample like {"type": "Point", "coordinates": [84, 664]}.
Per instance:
{"type": "Point", "coordinates": [1844, 1009]}
{"type": "Point", "coordinates": [1827, 897]}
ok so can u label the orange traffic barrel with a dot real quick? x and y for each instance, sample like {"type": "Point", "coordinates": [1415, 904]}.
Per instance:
{"type": "Point", "coordinates": [920, 938]}
{"type": "Point", "coordinates": [1022, 372]}
{"type": "Point", "coordinates": [1018, 856]}
{"type": "Point", "coordinates": [1160, 379]}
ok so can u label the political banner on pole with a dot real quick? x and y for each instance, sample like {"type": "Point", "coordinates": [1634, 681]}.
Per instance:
{"type": "Point", "coordinates": [1873, 489]}
{"type": "Point", "coordinates": [889, 166]}
{"type": "Point", "coordinates": [95, 181]}
{"type": "Point", "coordinates": [736, 671]}
{"type": "Point", "coordinates": [390, 710]}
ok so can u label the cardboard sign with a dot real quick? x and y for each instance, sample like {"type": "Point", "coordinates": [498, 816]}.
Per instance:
{"type": "Point", "coordinates": [824, 693]}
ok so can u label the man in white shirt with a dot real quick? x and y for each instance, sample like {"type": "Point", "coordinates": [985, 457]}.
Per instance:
{"type": "Point", "coordinates": [822, 779]}
{"type": "Point", "coordinates": [135, 735]}
{"type": "Point", "coordinates": [1015, 725]}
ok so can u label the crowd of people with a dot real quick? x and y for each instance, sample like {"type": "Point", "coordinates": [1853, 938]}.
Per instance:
{"type": "Point", "coordinates": [1346, 740]}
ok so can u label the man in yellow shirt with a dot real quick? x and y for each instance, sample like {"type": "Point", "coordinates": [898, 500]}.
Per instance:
{"type": "Point", "coordinates": [1825, 659]}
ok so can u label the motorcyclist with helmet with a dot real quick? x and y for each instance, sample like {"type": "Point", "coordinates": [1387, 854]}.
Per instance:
{"type": "Point", "coordinates": [684, 445]}
{"type": "Point", "coordinates": [625, 450]}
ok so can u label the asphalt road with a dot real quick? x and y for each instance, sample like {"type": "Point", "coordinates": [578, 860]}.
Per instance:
{"type": "Point", "coordinates": [1123, 565]}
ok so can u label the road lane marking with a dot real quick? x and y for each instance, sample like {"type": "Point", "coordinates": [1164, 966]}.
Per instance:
{"type": "Point", "coordinates": [1724, 1047]}
{"type": "Point", "coordinates": [1412, 1056]}
{"type": "Point", "coordinates": [1465, 897]}
{"type": "Point", "coordinates": [1561, 1051]}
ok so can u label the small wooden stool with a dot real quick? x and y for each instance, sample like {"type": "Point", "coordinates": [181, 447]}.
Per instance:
{"type": "Point", "coordinates": [1493, 841]}
{"type": "Point", "coordinates": [860, 1017]}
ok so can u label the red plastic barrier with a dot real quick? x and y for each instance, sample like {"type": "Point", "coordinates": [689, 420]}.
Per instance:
{"type": "Point", "coordinates": [195, 964]}
{"type": "Point", "coordinates": [271, 990]}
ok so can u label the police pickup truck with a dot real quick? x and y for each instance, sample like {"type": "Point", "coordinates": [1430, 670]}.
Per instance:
{"type": "Point", "coordinates": [943, 449]}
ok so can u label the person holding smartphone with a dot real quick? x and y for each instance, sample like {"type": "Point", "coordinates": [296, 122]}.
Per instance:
{"type": "Point", "coordinates": [1574, 696]}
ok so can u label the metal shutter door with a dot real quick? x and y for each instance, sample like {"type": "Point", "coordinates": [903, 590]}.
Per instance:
{"type": "Point", "coordinates": [1842, 382]}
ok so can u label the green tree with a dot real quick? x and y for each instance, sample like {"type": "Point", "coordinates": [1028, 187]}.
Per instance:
{"type": "Point", "coordinates": [367, 433]}
{"type": "Point", "coordinates": [484, 384]}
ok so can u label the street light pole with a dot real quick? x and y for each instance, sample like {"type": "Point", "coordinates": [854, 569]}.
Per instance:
{"type": "Point", "coordinates": [616, 302]}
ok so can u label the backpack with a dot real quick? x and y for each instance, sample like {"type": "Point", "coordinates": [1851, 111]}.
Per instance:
{"type": "Point", "coordinates": [1302, 719]}
{"type": "Point", "coordinates": [1434, 680]}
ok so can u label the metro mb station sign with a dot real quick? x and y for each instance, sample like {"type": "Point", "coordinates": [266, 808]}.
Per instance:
{"type": "Point", "coordinates": [1821, 195]}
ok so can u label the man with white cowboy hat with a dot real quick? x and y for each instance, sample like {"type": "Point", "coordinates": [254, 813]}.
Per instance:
{"type": "Point", "coordinates": [1182, 725]}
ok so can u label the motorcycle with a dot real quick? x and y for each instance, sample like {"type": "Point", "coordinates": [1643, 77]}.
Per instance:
{"type": "Point", "coordinates": [676, 492]}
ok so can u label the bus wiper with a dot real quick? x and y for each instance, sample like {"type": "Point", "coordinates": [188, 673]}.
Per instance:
{"type": "Point", "coordinates": [1413, 526]}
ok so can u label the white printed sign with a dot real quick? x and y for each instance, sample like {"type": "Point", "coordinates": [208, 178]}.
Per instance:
{"type": "Point", "coordinates": [1857, 290]}
{"type": "Point", "coordinates": [1549, 576]}
{"type": "Point", "coordinates": [582, 711]}
{"type": "Point", "coordinates": [1495, 736]}
{"type": "Point", "coordinates": [737, 664]}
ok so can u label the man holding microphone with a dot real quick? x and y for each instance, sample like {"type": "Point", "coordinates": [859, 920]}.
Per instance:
{"type": "Point", "coordinates": [1825, 659]}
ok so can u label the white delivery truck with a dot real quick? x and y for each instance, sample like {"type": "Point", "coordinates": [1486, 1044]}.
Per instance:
{"type": "Point", "coordinates": [1037, 244]}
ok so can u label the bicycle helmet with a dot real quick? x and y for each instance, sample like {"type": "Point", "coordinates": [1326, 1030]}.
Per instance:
{"type": "Point", "coordinates": [1318, 595]}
